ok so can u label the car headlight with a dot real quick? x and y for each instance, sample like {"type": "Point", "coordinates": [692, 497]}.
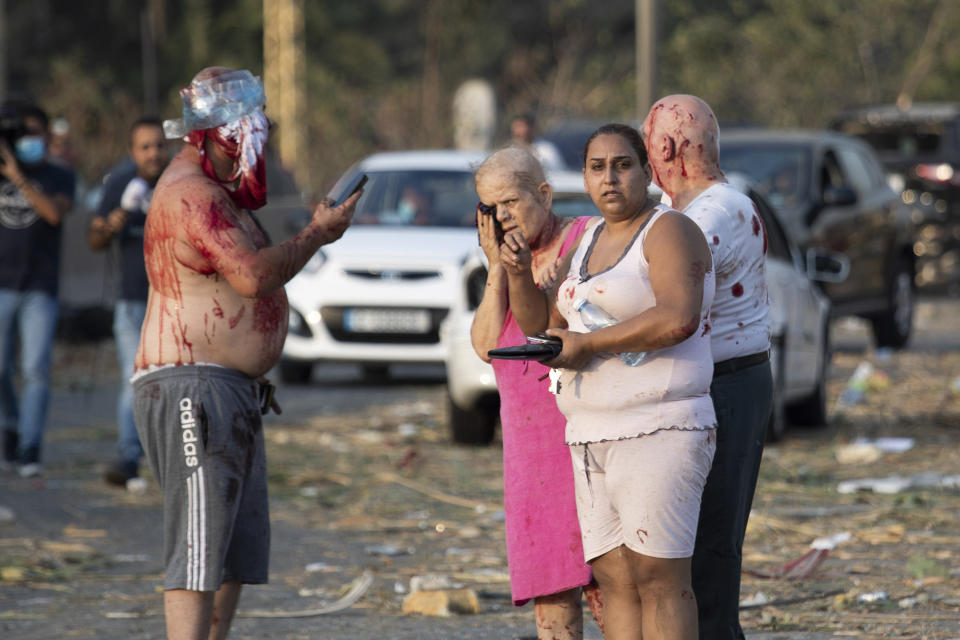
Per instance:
{"type": "Point", "coordinates": [297, 325]}
{"type": "Point", "coordinates": [316, 261]}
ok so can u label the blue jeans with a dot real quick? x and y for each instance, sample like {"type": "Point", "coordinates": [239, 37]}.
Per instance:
{"type": "Point", "coordinates": [34, 315]}
{"type": "Point", "coordinates": [742, 402]}
{"type": "Point", "coordinates": [127, 319]}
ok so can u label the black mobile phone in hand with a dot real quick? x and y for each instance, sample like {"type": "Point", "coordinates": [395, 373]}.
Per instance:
{"type": "Point", "coordinates": [491, 210]}
{"type": "Point", "coordinates": [351, 187]}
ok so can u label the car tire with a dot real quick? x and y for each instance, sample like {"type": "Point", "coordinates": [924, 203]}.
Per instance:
{"type": "Point", "coordinates": [476, 426]}
{"type": "Point", "coordinates": [812, 410]}
{"type": "Point", "coordinates": [892, 327]}
{"type": "Point", "coordinates": [295, 371]}
{"type": "Point", "coordinates": [777, 424]}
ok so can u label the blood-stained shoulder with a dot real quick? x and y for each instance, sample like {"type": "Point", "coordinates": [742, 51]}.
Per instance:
{"type": "Point", "coordinates": [214, 235]}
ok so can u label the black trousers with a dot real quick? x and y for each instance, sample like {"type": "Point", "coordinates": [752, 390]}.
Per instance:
{"type": "Point", "coordinates": [742, 402]}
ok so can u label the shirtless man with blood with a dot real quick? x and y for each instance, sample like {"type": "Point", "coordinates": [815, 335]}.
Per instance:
{"type": "Point", "coordinates": [215, 323]}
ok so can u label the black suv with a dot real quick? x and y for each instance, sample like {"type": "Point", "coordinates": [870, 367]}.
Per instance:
{"type": "Point", "coordinates": [831, 192]}
{"type": "Point", "coordinates": [920, 151]}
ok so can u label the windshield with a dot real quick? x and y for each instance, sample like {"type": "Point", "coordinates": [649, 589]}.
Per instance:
{"type": "Point", "coordinates": [780, 172]}
{"type": "Point", "coordinates": [418, 198]}
{"type": "Point", "coordinates": [908, 140]}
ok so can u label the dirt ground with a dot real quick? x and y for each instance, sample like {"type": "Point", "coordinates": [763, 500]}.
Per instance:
{"type": "Point", "coordinates": [379, 488]}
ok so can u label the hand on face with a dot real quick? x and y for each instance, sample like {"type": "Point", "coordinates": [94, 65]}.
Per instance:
{"type": "Point", "coordinates": [487, 233]}
{"type": "Point", "coordinates": [517, 208]}
{"type": "Point", "coordinates": [515, 254]}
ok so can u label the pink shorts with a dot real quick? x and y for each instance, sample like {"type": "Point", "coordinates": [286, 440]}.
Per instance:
{"type": "Point", "coordinates": [642, 492]}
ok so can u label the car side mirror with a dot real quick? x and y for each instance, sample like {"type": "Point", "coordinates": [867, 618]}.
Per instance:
{"type": "Point", "coordinates": [839, 196]}
{"type": "Point", "coordinates": [824, 265]}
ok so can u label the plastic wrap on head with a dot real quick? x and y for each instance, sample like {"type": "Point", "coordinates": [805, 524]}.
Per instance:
{"type": "Point", "coordinates": [216, 101]}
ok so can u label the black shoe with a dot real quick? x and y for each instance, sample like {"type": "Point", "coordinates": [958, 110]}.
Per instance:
{"type": "Point", "coordinates": [119, 473]}
{"type": "Point", "coordinates": [30, 455]}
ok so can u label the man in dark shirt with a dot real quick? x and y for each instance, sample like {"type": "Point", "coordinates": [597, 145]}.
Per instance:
{"type": "Point", "coordinates": [120, 217]}
{"type": "Point", "coordinates": [34, 197]}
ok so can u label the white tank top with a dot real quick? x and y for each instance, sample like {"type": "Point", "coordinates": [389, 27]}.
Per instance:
{"type": "Point", "coordinates": [670, 389]}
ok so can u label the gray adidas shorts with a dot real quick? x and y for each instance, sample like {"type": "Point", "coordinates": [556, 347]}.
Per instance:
{"type": "Point", "coordinates": [202, 435]}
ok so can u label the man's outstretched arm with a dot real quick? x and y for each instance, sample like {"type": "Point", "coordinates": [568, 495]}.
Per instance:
{"type": "Point", "coordinates": [214, 229]}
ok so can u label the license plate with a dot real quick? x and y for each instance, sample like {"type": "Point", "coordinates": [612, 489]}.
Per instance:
{"type": "Point", "coordinates": [386, 320]}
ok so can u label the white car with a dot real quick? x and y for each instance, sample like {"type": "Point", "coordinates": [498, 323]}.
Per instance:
{"type": "Point", "coordinates": [799, 318]}
{"type": "Point", "coordinates": [378, 295]}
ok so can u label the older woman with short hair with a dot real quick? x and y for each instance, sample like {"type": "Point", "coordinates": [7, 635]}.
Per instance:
{"type": "Point", "coordinates": [544, 552]}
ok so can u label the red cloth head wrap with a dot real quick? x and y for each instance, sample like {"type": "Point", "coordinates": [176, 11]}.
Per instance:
{"type": "Point", "coordinates": [243, 141]}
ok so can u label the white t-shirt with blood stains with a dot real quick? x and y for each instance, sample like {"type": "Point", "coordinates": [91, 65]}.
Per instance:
{"type": "Point", "coordinates": [740, 316]}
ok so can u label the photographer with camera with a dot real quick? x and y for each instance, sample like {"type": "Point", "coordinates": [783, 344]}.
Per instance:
{"type": "Point", "coordinates": [120, 219]}
{"type": "Point", "coordinates": [34, 197]}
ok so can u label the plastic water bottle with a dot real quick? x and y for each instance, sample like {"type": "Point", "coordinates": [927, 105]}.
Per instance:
{"type": "Point", "coordinates": [595, 318]}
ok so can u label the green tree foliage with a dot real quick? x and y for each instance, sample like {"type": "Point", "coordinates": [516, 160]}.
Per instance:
{"type": "Point", "coordinates": [381, 73]}
{"type": "Point", "coordinates": [796, 64]}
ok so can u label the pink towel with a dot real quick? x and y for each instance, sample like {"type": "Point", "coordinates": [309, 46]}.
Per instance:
{"type": "Point", "coordinates": [544, 551]}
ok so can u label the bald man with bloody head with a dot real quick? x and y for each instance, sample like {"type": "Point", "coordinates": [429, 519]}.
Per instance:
{"type": "Point", "coordinates": [681, 136]}
{"type": "Point", "coordinates": [215, 323]}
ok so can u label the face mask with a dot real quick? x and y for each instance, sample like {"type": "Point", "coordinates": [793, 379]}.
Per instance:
{"type": "Point", "coordinates": [406, 211]}
{"type": "Point", "coordinates": [31, 150]}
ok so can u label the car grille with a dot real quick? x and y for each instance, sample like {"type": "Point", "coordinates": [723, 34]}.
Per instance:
{"type": "Point", "coordinates": [391, 274]}
{"type": "Point", "coordinates": [337, 320]}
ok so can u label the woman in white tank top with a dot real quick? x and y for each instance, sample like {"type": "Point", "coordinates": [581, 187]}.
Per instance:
{"type": "Point", "coordinates": [641, 437]}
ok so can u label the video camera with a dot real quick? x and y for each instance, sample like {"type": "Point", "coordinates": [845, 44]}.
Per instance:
{"type": "Point", "coordinates": [12, 126]}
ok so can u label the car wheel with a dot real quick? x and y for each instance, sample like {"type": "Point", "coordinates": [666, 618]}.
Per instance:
{"type": "Point", "coordinates": [812, 410]}
{"type": "Point", "coordinates": [892, 328]}
{"type": "Point", "coordinates": [296, 371]}
{"type": "Point", "coordinates": [777, 424]}
{"type": "Point", "coordinates": [473, 426]}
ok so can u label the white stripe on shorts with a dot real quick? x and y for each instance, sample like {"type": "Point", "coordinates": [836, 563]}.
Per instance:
{"type": "Point", "coordinates": [196, 530]}
{"type": "Point", "coordinates": [191, 482]}
{"type": "Point", "coordinates": [202, 555]}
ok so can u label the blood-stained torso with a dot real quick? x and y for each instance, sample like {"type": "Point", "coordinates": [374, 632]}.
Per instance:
{"type": "Point", "coordinates": [195, 242]}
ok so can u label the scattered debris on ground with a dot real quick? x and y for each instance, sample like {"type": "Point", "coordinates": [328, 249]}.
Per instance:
{"type": "Point", "coordinates": [854, 530]}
